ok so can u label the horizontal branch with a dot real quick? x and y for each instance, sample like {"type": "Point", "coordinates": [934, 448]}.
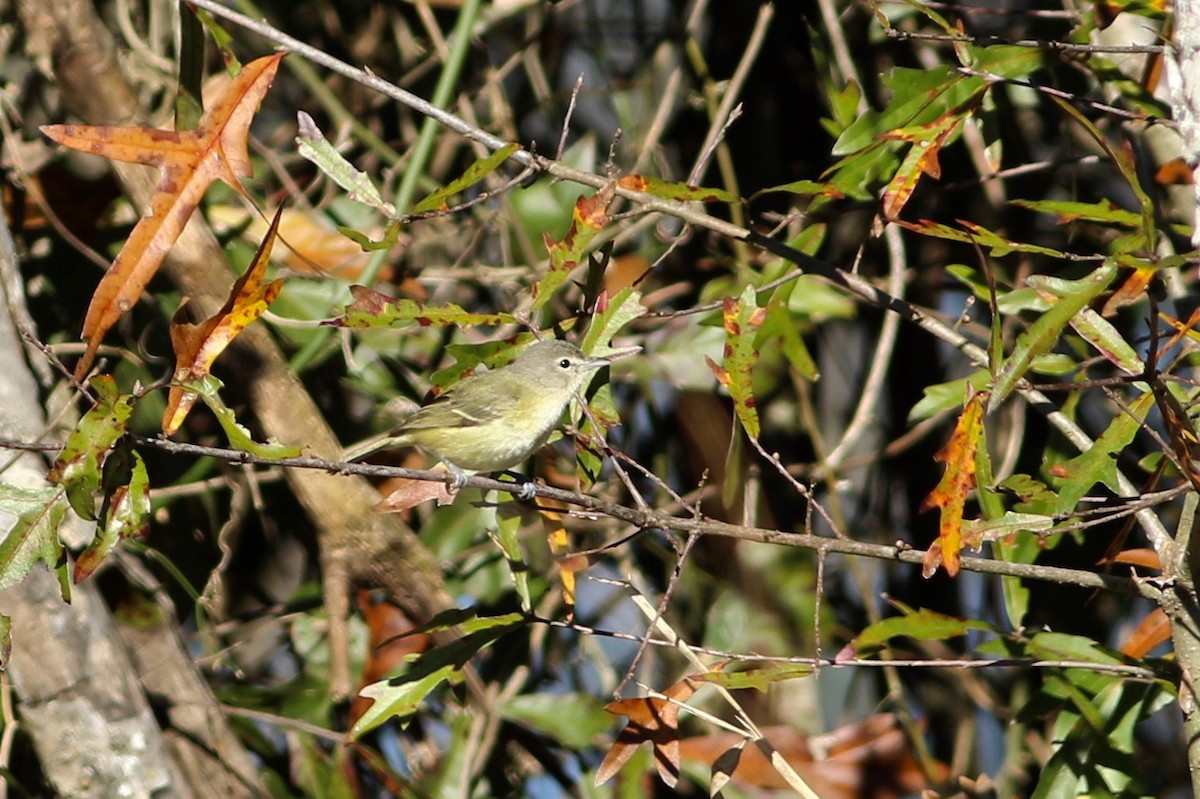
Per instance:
{"type": "Point", "coordinates": [656, 520]}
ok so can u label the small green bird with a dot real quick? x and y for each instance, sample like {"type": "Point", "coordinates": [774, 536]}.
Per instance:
{"type": "Point", "coordinates": [493, 420]}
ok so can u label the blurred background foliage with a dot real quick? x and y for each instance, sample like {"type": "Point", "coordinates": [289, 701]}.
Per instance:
{"type": "Point", "coordinates": [822, 87]}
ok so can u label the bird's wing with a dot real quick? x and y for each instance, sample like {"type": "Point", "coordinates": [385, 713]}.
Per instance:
{"type": "Point", "coordinates": [453, 410]}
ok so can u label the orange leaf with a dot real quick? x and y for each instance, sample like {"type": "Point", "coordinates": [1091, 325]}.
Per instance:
{"type": "Point", "coordinates": [959, 479]}
{"type": "Point", "coordinates": [1151, 631]}
{"type": "Point", "coordinates": [188, 161]}
{"type": "Point", "coordinates": [1132, 290]}
{"type": "Point", "coordinates": [651, 720]}
{"type": "Point", "coordinates": [198, 345]}
{"type": "Point", "coordinates": [560, 546]}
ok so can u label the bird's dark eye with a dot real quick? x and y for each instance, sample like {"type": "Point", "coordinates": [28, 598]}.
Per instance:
{"type": "Point", "coordinates": [565, 363]}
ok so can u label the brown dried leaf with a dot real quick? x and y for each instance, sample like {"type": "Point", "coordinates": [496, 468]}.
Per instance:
{"type": "Point", "coordinates": [188, 161]}
{"type": "Point", "coordinates": [198, 345]}
{"type": "Point", "coordinates": [651, 720]}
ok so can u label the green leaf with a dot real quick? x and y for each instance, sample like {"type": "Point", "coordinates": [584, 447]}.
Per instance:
{"type": "Point", "coordinates": [1008, 524]}
{"type": "Point", "coordinates": [312, 145]}
{"type": "Point", "coordinates": [971, 233]}
{"type": "Point", "coordinates": [925, 625]}
{"type": "Point", "coordinates": [1041, 335]}
{"type": "Point", "coordinates": [676, 191]}
{"type": "Point", "coordinates": [1105, 211]}
{"type": "Point", "coordinates": [239, 437]}
{"type": "Point", "coordinates": [1098, 464]}
{"type": "Point", "coordinates": [473, 174]}
{"type": "Point", "coordinates": [77, 468]}
{"type": "Point", "coordinates": [758, 679]}
{"type": "Point", "coordinates": [401, 696]}
{"type": "Point", "coordinates": [509, 517]}
{"type": "Point", "coordinates": [574, 720]}
{"type": "Point", "coordinates": [620, 310]}
{"type": "Point", "coordinates": [942, 397]}
{"type": "Point", "coordinates": [34, 536]}
{"type": "Point", "coordinates": [372, 310]}
{"type": "Point", "coordinates": [5, 641]}
{"type": "Point", "coordinates": [126, 514]}
{"type": "Point", "coordinates": [1093, 328]}
{"type": "Point", "coordinates": [781, 324]}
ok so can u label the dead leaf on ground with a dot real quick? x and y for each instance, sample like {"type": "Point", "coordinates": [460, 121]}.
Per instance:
{"type": "Point", "coordinates": [188, 161]}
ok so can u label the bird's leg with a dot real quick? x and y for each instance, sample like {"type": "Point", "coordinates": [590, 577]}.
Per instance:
{"type": "Point", "coordinates": [457, 479]}
{"type": "Point", "coordinates": [526, 488]}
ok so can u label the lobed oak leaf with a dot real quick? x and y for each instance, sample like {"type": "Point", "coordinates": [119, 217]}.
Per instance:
{"type": "Point", "coordinates": [188, 161]}
{"type": "Point", "coordinates": [652, 720]}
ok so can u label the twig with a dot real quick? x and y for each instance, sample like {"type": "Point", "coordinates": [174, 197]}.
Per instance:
{"type": "Point", "coordinates": [657, 520]}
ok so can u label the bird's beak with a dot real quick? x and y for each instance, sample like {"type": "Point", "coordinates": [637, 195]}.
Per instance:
{"type": "Point", "coordinates": [617, 355]}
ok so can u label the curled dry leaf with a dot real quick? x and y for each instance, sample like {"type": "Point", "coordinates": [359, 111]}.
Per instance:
{"type": "Point", "coordinates": [188, 161]}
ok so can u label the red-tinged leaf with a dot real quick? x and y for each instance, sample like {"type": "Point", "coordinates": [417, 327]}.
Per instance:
{"type": "Point", "coordinates": [956, 484]}
{"type": "Point", "coordinates": [188, 162]}
{"type": "Point", "coordinates": [675, 191]}
{"type": "Point", "coordinates": [1152, 630]}
{"type": "Point", "coordinates": [371, 309]}
{"type": "Point", "coordinates": [473, 174]}
{"type": "Point", "coordinates": [742, 317]}
{"type": "Point", "coordinates": [971, 233]}
{"type": "Point", "coordinates": [588, 218]}
{"type": "Point", "coordinates": [922, 158]}
{"type": "Point", "coordinates": [126, 515]}
{"type": "Point", "coordinates": [403, 494]}
{"type": "Point", "coordinates": [78, 467]}
{"type": "Point", "coordinates": [198, 345]}
{"type": "Point", "coordinates": [39, 513]}
{"type": "Point", "coordinates": [651, 720]}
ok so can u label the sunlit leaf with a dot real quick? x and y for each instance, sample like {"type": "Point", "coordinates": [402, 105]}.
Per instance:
{"type": "Point", "coordinates": [675, 191]}
{"type": "Point", "coordinates": [33, 538]}
{"type": "Point", "coordinates": [476, 172]}
{"type": "Point", "coordinates": [1045, 330]}
{"type": "Point", "coordinates": [78, 467]}
{"type": "Point", "coordinates": [950, 495]}
{"type": "Point", "coordinates": [372, 309]}
{"type": "Point", "coordinates": [198, 345]}
{"type": "Point", "coordinates": [188, 161]}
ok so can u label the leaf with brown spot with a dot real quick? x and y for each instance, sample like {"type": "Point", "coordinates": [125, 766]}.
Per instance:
{"type": "Point", "coordinates": [651, 720]}
{"type": "Point", "coordinates": [198, 345]}
{"type": "Point", "coordinates": [922, 158]}
{"type": "Point", "coordinates": [951, 492]}
{"type": "Point", "coordinates": [188, 161]}
{"type": "Point", "coordinates": [589, 217]}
